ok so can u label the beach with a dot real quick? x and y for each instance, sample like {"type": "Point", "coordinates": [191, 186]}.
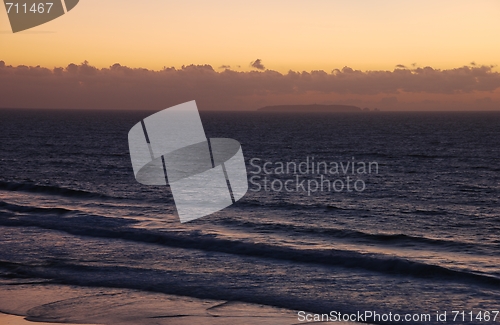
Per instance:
{"type": "Point", "coordinates": [81, 241]}
{"type": "Point", "coordinates": [44, 304]}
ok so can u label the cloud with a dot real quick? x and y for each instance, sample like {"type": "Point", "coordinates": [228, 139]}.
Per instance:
{"type": "Point", "coordinates": [400, 66]}
{"type": "Point", "coordinates": [121, 87]}
{"type": "Point", "coordinates": [257, 64]}
{"type": "Point", "coordinates": [225, 66]}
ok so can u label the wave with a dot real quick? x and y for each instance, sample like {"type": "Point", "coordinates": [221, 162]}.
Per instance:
{"type": "Point", "coordinates": [115, 228]}
{"type": "Point", "coordinates": [378, 238]}
{"type": "Point", "coordinates": [29, 209]}
{"type": "Point", "coordinates": [49, 189]}
{"type": "Point", "coordinates": [429, 156]}
{"type": "Point", "coordinates": [430, 212]}
{"type": "Point", "coordinates": [294, 206]}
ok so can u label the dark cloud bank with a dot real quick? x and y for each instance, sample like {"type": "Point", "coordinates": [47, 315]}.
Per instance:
{"type": "Point", "coordinates": [121, 87]}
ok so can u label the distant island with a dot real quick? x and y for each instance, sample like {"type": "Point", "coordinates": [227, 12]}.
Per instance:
{"type": "Point", "coordinates": [311, 108]}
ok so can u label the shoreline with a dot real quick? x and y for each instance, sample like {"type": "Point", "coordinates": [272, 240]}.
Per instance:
{"type": "Point", "coordinates": [8, 319]}
{"type": "Point", "coordinates": [51, 304]}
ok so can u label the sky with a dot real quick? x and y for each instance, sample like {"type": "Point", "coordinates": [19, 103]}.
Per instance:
{"type": "Point", "coordinates": [279, 36]}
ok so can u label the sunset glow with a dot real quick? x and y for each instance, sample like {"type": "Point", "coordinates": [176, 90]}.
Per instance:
{"type": "Point", "coordinates": [286, 35]}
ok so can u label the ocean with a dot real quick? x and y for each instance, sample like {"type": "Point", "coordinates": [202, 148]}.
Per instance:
{"type": "Point", "coordinates": [418, 233]}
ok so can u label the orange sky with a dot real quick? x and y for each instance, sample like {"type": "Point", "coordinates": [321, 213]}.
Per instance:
{"type": "Point", "coordinates": [293, 34]}
{"type": "Point", "coordinates": [447, 52]}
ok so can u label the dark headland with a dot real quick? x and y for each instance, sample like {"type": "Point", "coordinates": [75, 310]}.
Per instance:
{"type": "Point", "coordinates": [311, 108]}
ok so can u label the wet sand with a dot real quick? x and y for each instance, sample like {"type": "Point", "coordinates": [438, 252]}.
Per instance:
{"type": "Point", "coordinates": [26, 303]}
